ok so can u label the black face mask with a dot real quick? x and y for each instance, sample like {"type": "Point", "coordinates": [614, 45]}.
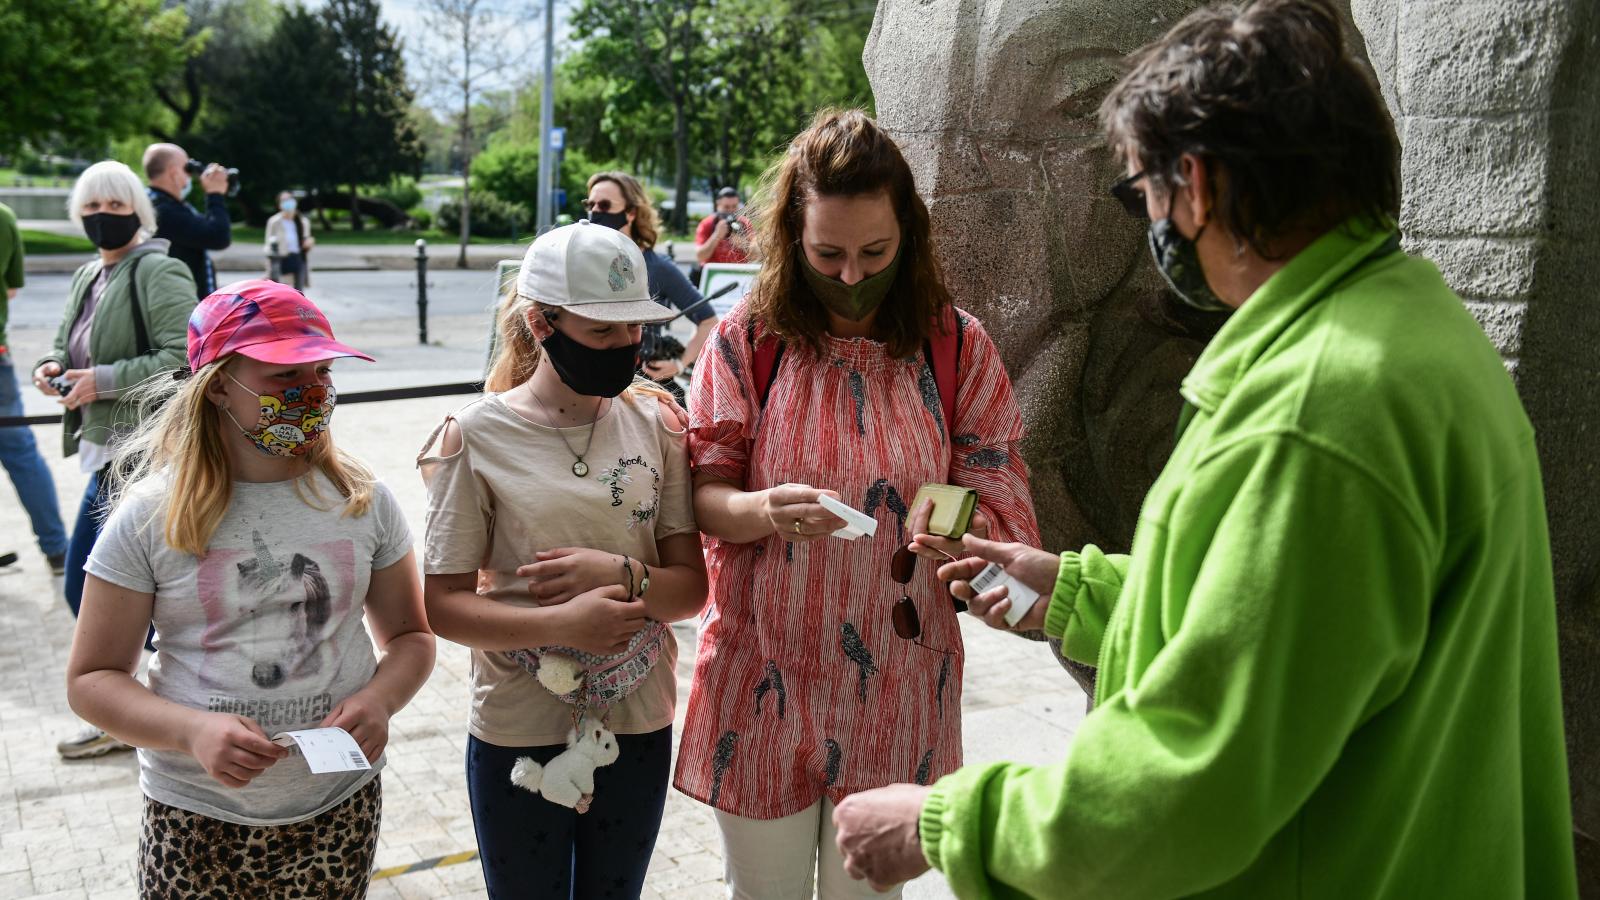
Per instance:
{"type": "Point", "coordinates": [110, 231]}
{"type": "Point", "coordinates": [608, 219]}
{"type": "Point", "coordinates": [591, 372]}
{"type": "Point", "coordinates": [1179, 263]}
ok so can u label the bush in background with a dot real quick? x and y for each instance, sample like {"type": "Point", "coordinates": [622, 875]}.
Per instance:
{"type": "Point", "coordinates": [491, 216]}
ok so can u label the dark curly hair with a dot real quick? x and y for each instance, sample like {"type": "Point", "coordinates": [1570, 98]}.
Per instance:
{"type": "Point", "coordinates": [1267, 93]}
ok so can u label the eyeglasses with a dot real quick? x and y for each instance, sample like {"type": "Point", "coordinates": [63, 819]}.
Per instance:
{"type": "Point", "coordinates": [601, 205]}
{"type": "Point", "coordinates": [1131, 198]}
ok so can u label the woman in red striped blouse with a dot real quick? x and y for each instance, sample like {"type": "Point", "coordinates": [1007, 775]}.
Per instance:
{"type": "Point", "coordinates": [848, 372]}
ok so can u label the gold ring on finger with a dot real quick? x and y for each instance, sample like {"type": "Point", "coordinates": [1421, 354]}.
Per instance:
{"type": "Point", "coordinates": [797, 527]}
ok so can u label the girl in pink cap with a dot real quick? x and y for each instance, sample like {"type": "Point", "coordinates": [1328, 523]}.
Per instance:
{"type": "Point", "coordinates": [255, 547]}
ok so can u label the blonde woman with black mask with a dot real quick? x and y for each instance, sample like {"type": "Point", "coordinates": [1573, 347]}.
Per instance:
{"type": "Point", "coordinates": [561, 540]}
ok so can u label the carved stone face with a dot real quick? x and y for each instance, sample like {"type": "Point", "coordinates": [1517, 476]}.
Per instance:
{"type": "Point", "coordinates": [995, 107]}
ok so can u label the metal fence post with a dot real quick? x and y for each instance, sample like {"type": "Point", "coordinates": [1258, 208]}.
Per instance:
{"type": "Point", "coordinates": [274, 261]}
{"type": "Point", "coordinates": [422, 291]}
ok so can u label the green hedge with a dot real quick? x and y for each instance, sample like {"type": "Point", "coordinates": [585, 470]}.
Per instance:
{"type": "Point", "coordinates": [491, 216]}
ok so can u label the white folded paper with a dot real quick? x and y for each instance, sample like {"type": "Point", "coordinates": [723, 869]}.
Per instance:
{"type": "Point", "coordinates": [326, 749]}
{"type": "Point", "coordinates": [857, 523]}
{"type": "Point", "coordinates": [1022, 597]}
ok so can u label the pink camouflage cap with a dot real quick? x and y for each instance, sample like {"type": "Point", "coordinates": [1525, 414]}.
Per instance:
{"type": "Point", "coordinates": [264, 320]}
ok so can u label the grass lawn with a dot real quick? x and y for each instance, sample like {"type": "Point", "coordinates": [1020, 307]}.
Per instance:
{"type": "Point", "coordinates": [42, 242]}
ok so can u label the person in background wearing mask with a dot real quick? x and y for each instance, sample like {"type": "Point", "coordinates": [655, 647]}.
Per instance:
{"type": "Point", "coordinates": [1328, 668]}
{"type": "Point", "coordinates": [126, 321]}
{"type": "Point", "coordinates": [618, 200]}
{"type": "Point", "coordinates": [715, 240]}
{"type": "Point", "coordinates": [189, 233]}
{"type": "Point", "coordinates": [29, 473]}
{"type": "Point", "coordinates": [560, 518]}
{"type": "Point", "coordinates": [292, 231]}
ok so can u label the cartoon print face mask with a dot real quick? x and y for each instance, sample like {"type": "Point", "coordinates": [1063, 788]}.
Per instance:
{"type": "Point", "coordinates": [291, 420]}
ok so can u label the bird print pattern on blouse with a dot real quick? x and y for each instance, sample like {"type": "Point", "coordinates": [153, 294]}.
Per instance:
{"type": "Point", "coordinates": [798, 665]}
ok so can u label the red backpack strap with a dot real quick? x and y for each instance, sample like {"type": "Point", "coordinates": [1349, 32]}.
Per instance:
{"type": "Point", "coordinates": [944, 355]}
{"type": "Point", "coordinates": [768, 354]}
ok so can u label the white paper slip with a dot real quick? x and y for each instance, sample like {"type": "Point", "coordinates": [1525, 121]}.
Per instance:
{"type": "Point", "coordinates": [857, 523]}
{"type": "Point", "coordinates": [1022, 597]}
{"type": "Point", "coordinates": [326, 749]}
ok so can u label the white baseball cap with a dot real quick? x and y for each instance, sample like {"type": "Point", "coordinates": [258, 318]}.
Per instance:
{"type": "Point", "coordinates": [592, 270]}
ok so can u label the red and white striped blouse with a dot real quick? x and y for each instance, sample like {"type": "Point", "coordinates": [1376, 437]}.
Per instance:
{"type": "Point", "coordinates": [801, 686]}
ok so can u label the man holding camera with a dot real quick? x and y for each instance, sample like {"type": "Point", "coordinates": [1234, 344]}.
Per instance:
{"type": "Point", "coordinates": [722, 236]}
{"type": "Point", "coordinates": [169, 170]}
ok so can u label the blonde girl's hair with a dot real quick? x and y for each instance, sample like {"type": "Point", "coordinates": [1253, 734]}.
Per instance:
{"type": "Point", "coordinates": [111, 180]}
{"type": "Point", "coordinates": [517, 353]}
{"type": "Point", "coordinates": [180, 446]}
{"type": "Point", "coordinates": [646, 224]}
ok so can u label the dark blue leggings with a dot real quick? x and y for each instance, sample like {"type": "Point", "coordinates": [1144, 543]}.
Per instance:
{"type": "Point", "coordinates": [532, 848]}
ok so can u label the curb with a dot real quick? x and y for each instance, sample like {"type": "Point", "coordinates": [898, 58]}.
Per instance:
{"type": "Point", "coordinates": [67, 263]}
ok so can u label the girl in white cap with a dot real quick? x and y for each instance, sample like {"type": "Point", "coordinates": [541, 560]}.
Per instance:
{"type": "Point", "coordinates": [256, 547]}
{"type": "Point", "coordinates": [560, 541]}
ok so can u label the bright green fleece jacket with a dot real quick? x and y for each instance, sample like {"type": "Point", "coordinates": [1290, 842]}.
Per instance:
{"type": "Point", "coordinates": [1328, 668]}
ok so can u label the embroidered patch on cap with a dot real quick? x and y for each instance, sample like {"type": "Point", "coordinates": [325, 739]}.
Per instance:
{"type": "Point", "coordinates": [621, 268]}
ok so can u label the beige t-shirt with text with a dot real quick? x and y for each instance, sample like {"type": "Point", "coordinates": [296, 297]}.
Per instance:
{"type": "Point", "coordinates": [510, 493]}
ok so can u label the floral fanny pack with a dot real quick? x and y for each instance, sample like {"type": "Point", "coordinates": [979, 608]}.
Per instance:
{"type": "Point", "coordinates": [607, 680]}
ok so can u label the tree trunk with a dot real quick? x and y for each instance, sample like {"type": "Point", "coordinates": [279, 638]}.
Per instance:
{"type": "Point", "coordinates": [466, 211]}
{"type": "Point", "coordinates": [356, 224]}
{"type": "Point", "coordinates": [680, 140]}
{"type": "Point", "coordinates": [322, 211]}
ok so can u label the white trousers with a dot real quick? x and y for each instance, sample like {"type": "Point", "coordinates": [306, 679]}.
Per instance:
{"type": "Point", "coordinates": [785, 859]}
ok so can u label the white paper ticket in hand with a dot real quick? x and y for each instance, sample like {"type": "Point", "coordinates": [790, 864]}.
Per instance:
{"type": "Point", "coordinates": [857, 523]}
{"type": "Point", "coordinates": [326, 749]}
{"type": "Point", "coordinates": [1022, 597]}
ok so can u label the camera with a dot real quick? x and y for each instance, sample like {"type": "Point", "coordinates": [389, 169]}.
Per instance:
{"type": "Point", "coordinates": [734, 225]}
{"type": "Point", "coordinates": [61, 384]}
{"type": "Point", "coordinates": [195, 167]}
{"type": "Point", "coordinates": [662, 347]}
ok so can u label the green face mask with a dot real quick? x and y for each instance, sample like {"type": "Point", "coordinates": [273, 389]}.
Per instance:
{"type": "Point", "coordinates": [851, 301]}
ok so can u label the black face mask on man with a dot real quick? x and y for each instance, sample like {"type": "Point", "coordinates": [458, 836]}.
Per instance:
{"type": "Point", "coordinates": [1179, 263]}
{"type": "Point", "coordinates": [590, 371]}
{"type": "Point", "coordinates": [110, 231]}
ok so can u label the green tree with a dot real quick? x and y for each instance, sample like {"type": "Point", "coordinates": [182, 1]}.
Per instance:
{"type": "Point", "coordinates": [465, 59]}
{"type": "Point", "coordinates": [372, 127]}
{"type": "Point", "coordinates": [722, 83]}
{"type": "Point", "coordinates": [510, 171]}
{"type": "Point", "coordinates": [224, 33]}
{"type": "Point", "coordinates": [438, 140]}
{"type": "Point", "coordinates": [664, 40]}
{"type": "Point", "coordinates": [273, 116]}
{"type": "Point", "coordinates": [79, 72]}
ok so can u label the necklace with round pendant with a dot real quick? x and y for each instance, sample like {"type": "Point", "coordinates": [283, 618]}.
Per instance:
{"type": "Point", "coordinates": [579, 467]}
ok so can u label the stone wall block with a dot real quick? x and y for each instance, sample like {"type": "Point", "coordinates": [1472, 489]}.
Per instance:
{"type": "Point", "coordinates": [1473, 176]}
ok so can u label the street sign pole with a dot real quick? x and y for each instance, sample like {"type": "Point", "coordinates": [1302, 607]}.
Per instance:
{"type": "Point", "coordinates": [547, 115]}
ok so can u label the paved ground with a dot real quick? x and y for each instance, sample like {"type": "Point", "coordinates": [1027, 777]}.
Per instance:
{"type": "Point", "coordinates": [69, 830]}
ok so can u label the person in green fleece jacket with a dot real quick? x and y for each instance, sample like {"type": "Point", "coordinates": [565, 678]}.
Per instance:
{"type": "Point", "coordinates": [1328, 668]}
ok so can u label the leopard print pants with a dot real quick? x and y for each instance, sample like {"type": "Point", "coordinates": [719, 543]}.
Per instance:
{"type": "Point", "coordinates": [188, 856]}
